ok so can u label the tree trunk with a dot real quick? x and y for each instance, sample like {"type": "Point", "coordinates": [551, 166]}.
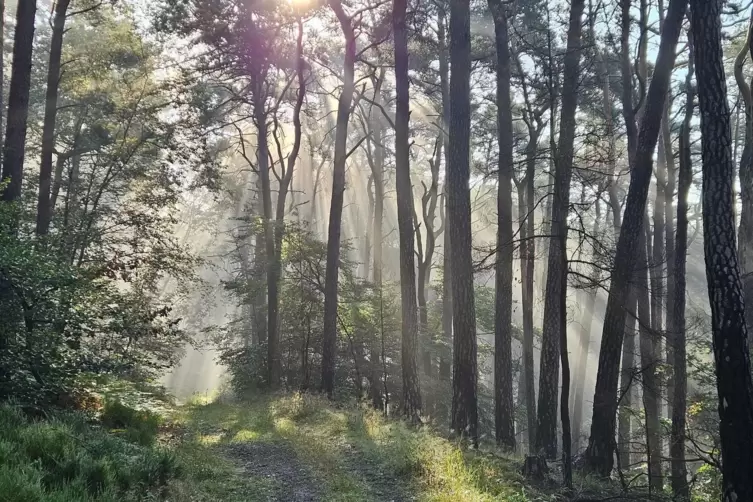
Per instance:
{"type": "Point", "coordinates": [377, 171]}
{"type": "Point", "coordinates": [745, 234]}
{"type": "Point", "coordinates": [18, 101]}
{"type": "Point", "coordinates": [556, 284]}
{"type": "Point", "coordinates": [679, 471]}
{"type": "Point", "coordinates": [527, 205]}
{"type": "Point", "coordinates": [44, 211]}
{"type": "Point", "coordinates": [726, 296]}
{"type": "Point", "coordinates": [445, 370]}
{"type": "Point", "coordinates": [262, 161]}
{"type": "Point", "coordinates": [503, 398]}
{"type": "Point", "coordinates": [626, 382]}
{"type": "Point", "coordinates": [464, 382]}
{"type": "Point", "coordinates": [585, 336]}
{"type": "Point", "coordinates": [599, 455]}
{"type": "Point", "coordinates": [409, 353]}
{"type": "Point", "coordinates": [329, 335]}
{"type": "Point", "coordinates": [649, 362]}
{"type": "Point", "coordinates": [280, 210]}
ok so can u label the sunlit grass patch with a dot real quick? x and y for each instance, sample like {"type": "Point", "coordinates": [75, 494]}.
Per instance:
{"type": "Point", "coordinates": [338, 444]}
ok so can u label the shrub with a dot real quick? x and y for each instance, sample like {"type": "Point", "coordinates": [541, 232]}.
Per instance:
{"type": "Point", "coordinates": [140, 426]}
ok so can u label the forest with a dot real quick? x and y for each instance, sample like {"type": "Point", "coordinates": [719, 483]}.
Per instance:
{"type": "Point", "coordinates": [389, 250]}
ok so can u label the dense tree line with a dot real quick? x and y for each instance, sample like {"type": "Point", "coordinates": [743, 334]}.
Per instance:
{"type": "Point", "coordinates": [407, 203]}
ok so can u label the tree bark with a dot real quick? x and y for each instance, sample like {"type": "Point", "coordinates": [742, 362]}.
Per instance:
{"type": "Point", "coordinates": [528, 261]}
{"type": "Point", "coordinates": [556, 284]}
{"type": "Point", "coordinates": [679, 471]}
{"type": "Point", "coordinates": [464, 383]}
{"type": "Point", "coordinates": [503, 397]}
{"type": "Point", "coordinates": [377, 171]}
{"type": "Point", "coordinates": [725, 288]}
{"type": "Point", "coordinates": [445, 357]}
{"type": "Point", "coordinates": [599, 455]}
{"type": "Point", "coordinates": [585, 335]}
{"type": "Point", "coordinates": [18, 101]}
{"type": "Point", "coordinates": [44, 210]}
{"type": "Point", "coordinates": [624, 425]}
{"type": "Point", "coordinates": [409, 352]}
{"type": "Point", "coordinates": [329, 342]}
{"type": "Point", "coordinates": [649, 361]}
{"type": "Point", "coordinates": [745, 233]}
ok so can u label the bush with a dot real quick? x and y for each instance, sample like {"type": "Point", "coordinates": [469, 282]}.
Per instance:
{"type": "Point", "coordinates": [140, 426]}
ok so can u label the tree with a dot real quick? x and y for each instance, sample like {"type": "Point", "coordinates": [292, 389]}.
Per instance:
{"type": "Point", "coordinates": [555, 325]}
{"type": "Point", "coordinates": [600, 451]}
{"type": "Point", "coordinates": [677, 334]}
{"type": "Point", "coordinates": [745, 233]}
{"type": "Point", "coordinates": [44, 211]}
{"type": "Point", "coordinates": [503, 401]}
{"type": "Point", "coordinates": [729, 330]}
{"type": "Point", "coordinates": [336, 206]}
{"type": "Point", "coordinates": [411, 388]}
{"type": "Point", "coordinates": [464, 383]}
{"type": "Point", "coordinates": [18, 100]}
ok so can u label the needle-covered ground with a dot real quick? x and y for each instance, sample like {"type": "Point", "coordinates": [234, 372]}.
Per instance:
{"type": "Point", "coordinates": [287, 448]}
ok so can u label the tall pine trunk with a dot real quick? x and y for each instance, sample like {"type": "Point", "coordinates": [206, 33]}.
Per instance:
{"type": "Point", "coordinates": [18, 101]}
{"type": "Point", "coordinates": [599, 455]}
{"type": "Point", "coordinates": [329, 334]}
{"type": "Point", "coordinates": [464, 381]}
{"type": "Point", "coordinates": [503, 398]}
{"type": "Point", "coordinates": [581, 370]}
{"type": "Point", "coordinates": [725, 288]}
{"type": "Point", "coordinates": [679, 471]}
{"type": "Point", "coordinates": [555, 326]}
{"type": "Point", "coordinates": [44, 210]}
{"type": "Point", "coordinates": [445, 356]}
{"type": "Point", "coordinates": [411, 389]}
{"type": "Point", "coordinates": [745, 234]}
{"type": "Point", "coordinates": [649, 364]}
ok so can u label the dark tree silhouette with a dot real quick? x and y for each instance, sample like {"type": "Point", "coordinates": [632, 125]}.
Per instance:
{"type": "Point", "coordinates": [677, 334]}
{"type": "Point", "coordinates": [464, 382]}
{"type": "Point", "coordinates": [730, 334]}
{"type": "Point", "coordinates": [18, 100]}
{"type": "Point", "coordinates": [329, 341]}
{"type": "Point", "coordinates": [503, 401]}
{"type": "Point", "coordinates": [44, 211]}
{"type": "Point", "coordinates": [556, 282]}
{"type": "Point", "coordinates": [600, 452]}
{"type": "Point", "coordinates": [411, 388]}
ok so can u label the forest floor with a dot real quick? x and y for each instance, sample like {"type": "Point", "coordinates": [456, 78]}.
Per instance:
{"type": "Point", "coordinates": [302, 448]}
{"type": "Point", "coordinates": [286, 448]}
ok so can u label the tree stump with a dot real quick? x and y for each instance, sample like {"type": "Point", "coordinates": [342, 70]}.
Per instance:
{"type": "Point", "coordinates": [535, 468]}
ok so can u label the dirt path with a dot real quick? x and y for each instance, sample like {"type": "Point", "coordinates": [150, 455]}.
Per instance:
{"type": "Point", "coordinates": [276, 461]}
{"type": "Point", "coordinates": [382, 486]}
{"type": "Point", "coordinates": [292, 480]}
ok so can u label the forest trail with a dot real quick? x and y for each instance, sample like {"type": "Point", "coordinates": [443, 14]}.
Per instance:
{"type": "Point", "coordinates": [291, 480]}
{"type": "Point", "coordinates": [305, 449]}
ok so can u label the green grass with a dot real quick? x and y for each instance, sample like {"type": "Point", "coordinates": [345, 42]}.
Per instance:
{"type": "Point", "coordinates": [67, 459]}
{"type": "Point", "coordinates": [182, 454]}
{"type": "Point", "coordinates": [342, 446]}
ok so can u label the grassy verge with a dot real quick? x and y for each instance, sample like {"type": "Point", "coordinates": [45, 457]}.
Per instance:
{"type": "Point", "coordinates": [66, 458]}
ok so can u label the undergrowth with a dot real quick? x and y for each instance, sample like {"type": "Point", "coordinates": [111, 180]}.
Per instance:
{"type": "Point", "coordinates": [67, 458]}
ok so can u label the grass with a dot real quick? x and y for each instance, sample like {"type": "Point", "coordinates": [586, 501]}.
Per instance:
{"type": "Point", "coordinates": [355, 454]}
{"type": "Point", "coordinates": [183, 454]}
{"type": "Point", "coordinates": [68, 459]}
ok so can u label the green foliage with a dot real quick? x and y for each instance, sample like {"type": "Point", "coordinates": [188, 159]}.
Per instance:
{"type": "Point", "coordinates": [68, 459]}
{"type": "Point", "coordinates": [140, 426]}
